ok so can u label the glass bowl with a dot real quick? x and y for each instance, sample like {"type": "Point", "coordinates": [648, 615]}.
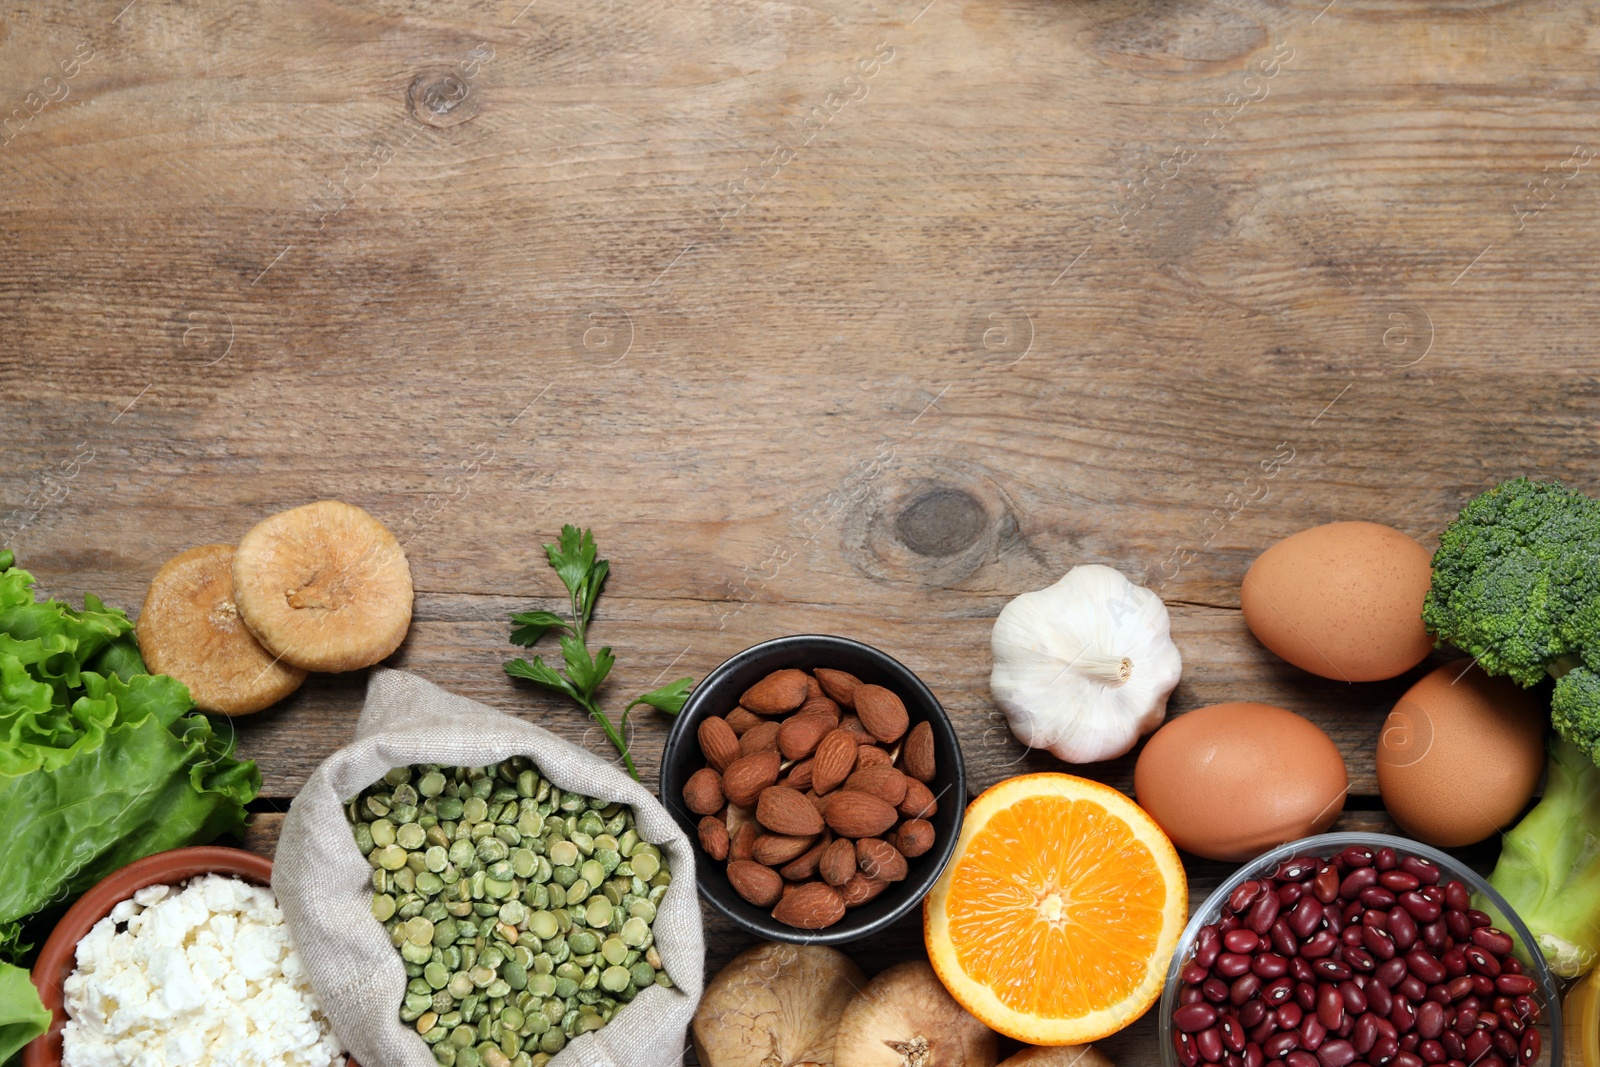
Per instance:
{"type": "Point", "coordinates": [1323, 846]}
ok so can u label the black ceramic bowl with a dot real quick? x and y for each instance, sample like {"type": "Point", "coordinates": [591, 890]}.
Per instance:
{"type": "Point", "coordinates": [719, 694]}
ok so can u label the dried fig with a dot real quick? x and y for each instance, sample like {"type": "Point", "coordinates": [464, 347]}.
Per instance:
{"type": "Point", "coordinates": [775, 1006]}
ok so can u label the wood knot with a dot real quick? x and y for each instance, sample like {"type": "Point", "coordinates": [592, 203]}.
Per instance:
{"type": "Point", "coordinates": [941, 522]}
{"type": "Point", "coordinates": [440, 97]}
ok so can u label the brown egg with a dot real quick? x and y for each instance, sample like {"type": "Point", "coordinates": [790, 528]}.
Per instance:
{"type": "Point", "coordinates": [1460, 755]}
{"type": "Point", "coordinates": [1232, 780]}
{"type": "Point", "coordinates": [1343, 601]}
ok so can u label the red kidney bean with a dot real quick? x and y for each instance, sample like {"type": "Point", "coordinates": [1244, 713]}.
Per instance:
{"type": "Point", "coordinates": [1390, 972]}
{"type": "Point", "coordinates": [1528, 1050]}
{"type": "Point", "coordinates": [1243, 989]}
{"type": "Point", "coordinates": [1466, 1020]}
{"type": "Point", "coordinates": [1384, 1050]}
{"type": "Point", "coordinates": [1478, 918]}
{"type": "Point", "coordinates": [1425, 871]}
{"type": "Point", "coordinates": [1377, 897]}
{"type": "Point", "coordinates": [1510, 965]}
{"type": "Point", "coordinates": [1365, 1034]}
{"type": "Point", "coordinates": [1251, 1014]}
{"type": "Point", "coordinates": [1269, 965]}
{"type": "Point", "coordinates": [1431, 1052]}
{"type": "Point", "coordinates": [1434, 893]}
{"type": "Point", "coordinates": [1190, 994]}
{"type": "Point", "coordinates": [1470, 1002]}
{"type": "Point", "coordinates": [1281, 1044]}
{"type": "Point", "coordinates": [1194, 974]}
{"type": "Point", "coordinates": [1183, 1043]}
{"type": "Point", "coordinates": [1481, 961]}
{"type": "Point", "coordinates": [1232, 1034]}
{"type": "Point", "coordinates": [1253, 1056]}
{"type": "Point", "coordinates": [1209, 1042]}
{"type": "Point", "coordinates": [1336, 970]}
{"type": "Point", "coordinates": [1306, 916]}
{"type": "Point", "coordinates": [1351, 936]}
{"type": "Point", "coordinates": [1232, 964]}
{"type": "Point", "coordinates": [1453, 1044]}
{"type": "Point", "coordinates": [1357, 880]}
{"type": "Point", "coordinates": [1192, 1018]}
{"type": "Point", "coordinates": [1283, 939]}
{"type": "Point", "coordinates": [1421, 908]}
{"type": "Point", "coordinates": [1352, 912]}
{"type": "Point", "coordinates": [1423, 966]}
{"type": "Point", "coordinates": [1336, 1053]}
{"type": "Point", "coordinates": [1291, 1015]}
{"type": "Point", "coordinates": [1262, 912]}
{"type": "Point", "coordinates": [1312, 1033]}
{"type": "Point", "coordinates": [1439, 994]}
{"type": "Point", "coordinates": [1325, 886]}
{"type": "Point", "coordinates": [1296, 868]}
{"type": "Point", "coordinates": [1458, 988]}
{"type": "Point", "coordinates": [1403, 1015]}
{"type": "Point", "coordinates": [1244, 895]}
{"type": "Point", "coordinates": [1263, 1029]}
{"type": "Point", "coordinates": [1359, 958]}
{"type": "Point", "coordinates": [1407, 1059]}
{"type": "Point", "coordinates": [1435, 936]}
{"type": "Point", "coordinates": [1321, 943]}
{"type": "Point", "coordinates": [1457, 895]}
{"type": "Point", "coordinates": [1379, 999]}
{"type": "Point", "coordinates": [1402, 927]}
{"type": "Point", "coordinates": [1355, 1001]}
{"type": "Point", "coordinates": [1358, 856]}
{"type": "Point", "coordinates": [1398, 881]}
{"type": "Point", "coordinates": [1208, 946]}
{"type": "Point", "coordinates": [1482, 985]}
{"type": "Point", "coordinates": [1492, 940]}
{"type": "Point", "coordinates": [1380, 943]}
{"type": "Point", "coordinates": [1526, 1008]}
{"type": "Point", "coordinates": [1333, 919]}
{"type": "Point", "coordinates": [1478, 1043]}
{"type": "Point", "coordinates": [1488, 1020]}
{"type": "Point", "coordinates": [1278, 991]}
{"type": "Point", "coordinates": [1411, 987]}
{"type": "Point", "coordinates": [1300, 1058]}
{"type": "Point", "coordinates": [1430, 1019]}
{"type": "Point", "coordinates": [1456, 922]}
{"type": "Point", "coordinates": [1386, 1028]}
{"type": "Point", "coordinates": [1227, 923]}
{"type": "Point", "coordinates": [1455, 961]}
{"type": "Point", "coordinates": [1301, 970]}
{"type": "Point", "coordinates": [1289, 894]}
{"type": "Point", "coordinates": [1305, 995]}
{"type": "Point", "coordinates": [1330, 1007]}
{"type": "Point", "coordinates": [1215, 990]}
{"type": "Point", "coordinates": [1374, 917]}
{"type": "Point", "coordinates": [1386, 859]}
{"type": "Point", "coordinates": [1241, 941]}
{"type": "Point", "coordinates": [1515, 985]}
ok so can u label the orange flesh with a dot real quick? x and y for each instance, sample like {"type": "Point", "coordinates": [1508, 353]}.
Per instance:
{"type": "Point", "coordinates": [1056, 907]}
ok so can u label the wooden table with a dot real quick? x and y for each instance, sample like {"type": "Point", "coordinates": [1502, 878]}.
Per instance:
{"type": "Point", "coordinates": [834, 317]}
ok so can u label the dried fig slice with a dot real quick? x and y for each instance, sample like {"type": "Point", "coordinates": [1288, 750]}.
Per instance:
{"type": "Point", "coordinates": [775, 1006]}
{"type": "Point", "coordinates": [324, 586]}
{"type": "Point", "coordinates": [905, 1018]}
{"type": "Point", "coordinates": [190, 628]}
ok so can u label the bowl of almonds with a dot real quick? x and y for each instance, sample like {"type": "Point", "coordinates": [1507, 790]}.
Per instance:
{"type": "Point", "coordinates": [824, 784]}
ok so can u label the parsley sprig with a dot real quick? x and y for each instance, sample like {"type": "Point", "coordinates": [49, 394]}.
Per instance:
{"type": "Point", "coordinates": [573, 559]}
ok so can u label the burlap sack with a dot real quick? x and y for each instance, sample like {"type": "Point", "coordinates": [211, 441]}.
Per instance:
{"type": "Point", "coordinates": [323, 883]}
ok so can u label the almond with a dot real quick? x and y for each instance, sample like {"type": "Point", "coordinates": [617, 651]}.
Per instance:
{"type": "Point", "coordinates": [839, 685]}
{"type": "Point", "coordinates": [916, 759]}
{"type": "Point", "coordinates": [787, 811]}
{"type": "Point", "coordinates": [881, 712]}
{"type": "Point", "coordinates": [777, 693]}
{"type": "Point", "coordinates": [879, 859]}
{"type": "Point", "coordinates": [799, 734]}
{"type": "Point", "coordinates": [718, 742]}
{"type": "Point", "coordinates": [885, 783]}
{"type": "Point", "coordinates": [860, 889]}
{"type": "Point", "coordinates": [714, 837]}
{"type": "Point", "coordinates": [838, 862]}
{"type": "Point", "coordinates": [852, 723]}
{"type": "Point", "coordinates": [702, 793]}
{"type": "Point", "coordinates": [742, 719]}
{"type": "Point", "coordinates": [813, 688]}
{"type": "Point", "coordinates": [835, 759]}
{"type": "Point", "coordinates": [743, 843]}
{"type": "Point", "coordinates": [914, 837]}
{"type": "Point", "coordinates": [821, 706]}
{"type": "Point", "coordinates": [810, 907]}
{"type": "Point", "coordinates": [853, 814]}
{"type": "Point", "coordinates": [804, 867]}
{"type": "Point", "coordinates": [871, 756]}
{"type": "Point", "coordinates": [774, 850]}
{"type": "Point", "coordinates": [763, 738]}
{"type": "Point", "coordinates": [919, 802]}
{"type": "Point", "coordinates": [799, 776]}
{"type": "Point", "coordinates": [820, 802]}
{"type": "Point", "coordinates": [747, 776]}
{"type": "Point", "coordinates": [761, 886]}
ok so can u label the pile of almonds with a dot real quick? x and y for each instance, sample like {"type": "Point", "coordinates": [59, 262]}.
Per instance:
{"type": "Point", "coordinates": [815, 792]}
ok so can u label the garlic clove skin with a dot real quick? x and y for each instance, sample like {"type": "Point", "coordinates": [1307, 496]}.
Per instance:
{"type": "Point", "coordinates": [1084, 667]}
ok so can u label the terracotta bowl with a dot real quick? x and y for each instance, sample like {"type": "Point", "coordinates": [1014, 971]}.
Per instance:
{"type": "Point", "coordinates": [57, 960]}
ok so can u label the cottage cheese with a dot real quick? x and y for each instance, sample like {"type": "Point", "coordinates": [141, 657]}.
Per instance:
{"type": "Point", "coordinates": [193, 977]}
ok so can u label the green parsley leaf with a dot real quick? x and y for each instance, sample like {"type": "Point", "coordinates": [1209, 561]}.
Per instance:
{"type": "Point", "coordinates": [532, 626]}
{"type": "Point", "coordinates": [670, 698]}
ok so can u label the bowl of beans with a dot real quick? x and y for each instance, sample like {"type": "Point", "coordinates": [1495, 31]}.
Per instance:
{"type": "Point", "coordinates": [1350, 949]}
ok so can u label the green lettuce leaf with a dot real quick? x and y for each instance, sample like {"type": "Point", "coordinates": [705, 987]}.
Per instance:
{"type": "Point", "coordinates": [23, 1016]}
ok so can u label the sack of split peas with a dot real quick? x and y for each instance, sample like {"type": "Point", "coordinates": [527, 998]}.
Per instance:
{"type": "Point", "coordinates": [468, 890]}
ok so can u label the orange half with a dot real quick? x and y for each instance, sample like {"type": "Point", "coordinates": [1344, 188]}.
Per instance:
{"type": "Point", "coordinates": [1056, 918]}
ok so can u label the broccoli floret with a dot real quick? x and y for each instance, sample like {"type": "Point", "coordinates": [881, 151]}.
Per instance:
{"type": "Point", "coordinates": [1516, 585]}
{"type": "Point", "coordinates": [1549, 869]}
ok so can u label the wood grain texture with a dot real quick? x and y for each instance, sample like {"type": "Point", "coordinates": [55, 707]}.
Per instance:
{"type": "Point", "coordinates": [847, 318]}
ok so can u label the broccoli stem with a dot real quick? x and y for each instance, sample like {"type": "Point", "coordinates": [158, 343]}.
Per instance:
{"type": "Point", "coordinates": [1549, 868]}
{"type": "Point", "coordinates": [1559, 666]}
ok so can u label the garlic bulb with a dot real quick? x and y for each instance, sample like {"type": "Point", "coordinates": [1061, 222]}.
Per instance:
{"type": "Point", "coordinates": [1084, 668]}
